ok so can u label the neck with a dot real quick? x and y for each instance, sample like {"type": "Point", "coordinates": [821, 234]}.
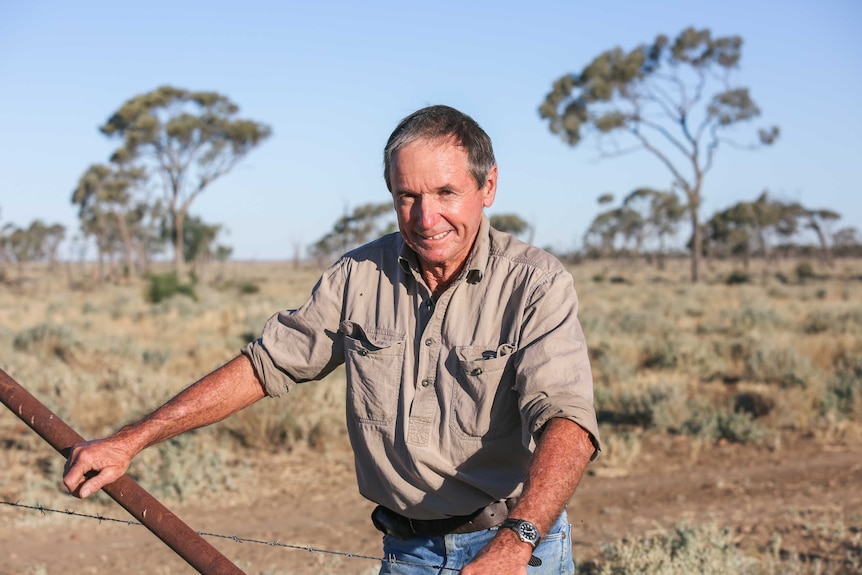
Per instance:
{"type": "Point", "coordinates": [438, 281]}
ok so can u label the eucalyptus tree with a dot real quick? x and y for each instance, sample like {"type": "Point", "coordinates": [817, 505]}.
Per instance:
{"type": "Point", "coordinates": [819, 221]}
{"type": "Point", "coordinates": [353, 229]}
{"type": "Point", "coordinates": [671, 98]}
{"type": "Point", "coordinates": [661, 212]}
{"type": "Point", "coordinates": [512, 224]}
{"type": "Point", "coordinates": [37, 242]}
{"type": "Point", "coordinates": [623, 224]}
{"type": "Point", "coordinates": [748, 226]}
{"type": "Point", "coordinates": [187, 140]}
{"type": "Point", "coordinates": [105, 198]}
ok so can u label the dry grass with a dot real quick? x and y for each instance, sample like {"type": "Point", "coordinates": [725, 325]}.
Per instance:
{"type": "Point", "coordinates": [740, 362]}
{"type": "Point", "coordinates": [744, 362]}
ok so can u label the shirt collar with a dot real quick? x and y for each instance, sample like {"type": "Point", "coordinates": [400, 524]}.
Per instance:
{"type": "Point", "coordinates": [477, 261]}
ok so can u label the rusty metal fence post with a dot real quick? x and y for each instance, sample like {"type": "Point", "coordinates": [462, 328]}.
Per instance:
{"type": "Point", "coordinates": [145, 508]}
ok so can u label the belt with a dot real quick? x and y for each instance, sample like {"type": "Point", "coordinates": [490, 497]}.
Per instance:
{"type": "Point", "coordinates": [392, 523]}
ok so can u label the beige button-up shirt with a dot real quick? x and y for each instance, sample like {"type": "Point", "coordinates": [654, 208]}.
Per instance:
{"type": "Point", "coordinates": [444, 397]}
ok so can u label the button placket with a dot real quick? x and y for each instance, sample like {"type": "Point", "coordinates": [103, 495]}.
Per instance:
{"type": "Point", "coordinates": [424, 407]}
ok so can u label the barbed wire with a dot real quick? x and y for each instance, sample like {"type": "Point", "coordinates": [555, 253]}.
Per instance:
{"type": "Point", "coordinates": [235, 538]}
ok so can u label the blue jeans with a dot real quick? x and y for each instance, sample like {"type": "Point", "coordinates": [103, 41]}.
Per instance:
{"type": "Point", "coordinates": [450, 553]}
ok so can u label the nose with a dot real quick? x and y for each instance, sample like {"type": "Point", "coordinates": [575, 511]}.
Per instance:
{"type": "Point", "coordinates": [426, 212]}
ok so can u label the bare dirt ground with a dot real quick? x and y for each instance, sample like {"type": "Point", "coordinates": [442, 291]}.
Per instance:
{"type": "Point", "coordinates": [803, 498]}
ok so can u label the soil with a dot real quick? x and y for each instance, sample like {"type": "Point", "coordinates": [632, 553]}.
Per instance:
{"type": "Point", "coordinates": [802, 498]}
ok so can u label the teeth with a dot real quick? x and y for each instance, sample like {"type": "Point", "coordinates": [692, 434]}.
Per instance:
{"type": "Point", "coordinates": [437, 237]}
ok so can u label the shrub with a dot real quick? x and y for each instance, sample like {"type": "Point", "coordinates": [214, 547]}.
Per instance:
{"type": "Point", "coordinates": [804, 271]}
{"type": "Point", "coordinates": [753, 403]}
{"type": "Point", "coordinates": [166, 285]}
{"type": "Point", "coordinates": [749, 318]}
{"type": "Point", "coordinates": [723, 422]}
{"type": "Point", "coordinates": [827, 320]}
{"type": "Point", "coordinates": [248, 288]}
{"type": "Point", "coordinates": [772, 363]}
{"type": "Point", "coordinates": [56, 340]}
{"type": "Point", "coordinates": [843, 394]}
{"type": "Point", "coordinates": [737, 277]}
{"type": "Point", "coordinates": [660, 354]}
{"type": "Point", "coordinates": [660, 407]}
{"type": "Point", "coordinates": [683, 550]}
{"type": "Point", "coordinates": [190, 466]}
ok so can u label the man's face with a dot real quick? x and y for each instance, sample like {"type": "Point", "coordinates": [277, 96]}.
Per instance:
{"type": "Point", "coordinates": [438, 203]}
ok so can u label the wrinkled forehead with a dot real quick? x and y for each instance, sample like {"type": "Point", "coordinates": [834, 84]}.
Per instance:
{"type": "Point", "coordinates": [429, 162]}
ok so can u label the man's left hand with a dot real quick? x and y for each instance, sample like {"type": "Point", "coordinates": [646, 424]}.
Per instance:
{"type": "Point", "coordinates": [506, 554]}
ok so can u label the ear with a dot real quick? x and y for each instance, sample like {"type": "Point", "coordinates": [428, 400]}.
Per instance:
{"type": "Point", "coordinates": [489, 192]}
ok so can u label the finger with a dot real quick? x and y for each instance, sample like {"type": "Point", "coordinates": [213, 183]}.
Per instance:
{"type": "Point", "coordinates": [73, 474]}
{"type": "Point", "coordinates": [77, 468]}
{"type": "Point", "coordinates": [96, 482]}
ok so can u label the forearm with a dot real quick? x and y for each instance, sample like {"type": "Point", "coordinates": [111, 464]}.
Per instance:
{"type": "Point", "coordinates": [555, 470]}
{"type": "Point", "coordinates": [559, 462]}
{"type": "Point", "coordinates": [94, 464]}
{"type": "Point", "coordinates": [214, 397]}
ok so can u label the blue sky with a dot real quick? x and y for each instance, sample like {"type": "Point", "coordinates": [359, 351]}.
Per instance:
{"type": "Point", "coordinates": [334, 78]}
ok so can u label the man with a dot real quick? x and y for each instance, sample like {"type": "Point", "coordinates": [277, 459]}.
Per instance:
{"type": "Point", "coordinates": [468, 384]}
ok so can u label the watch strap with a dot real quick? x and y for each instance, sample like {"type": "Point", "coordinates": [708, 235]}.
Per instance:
{"type": "Point", "coordinates": [527, 532]}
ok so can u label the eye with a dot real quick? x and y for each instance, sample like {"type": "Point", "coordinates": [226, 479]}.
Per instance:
{"type": "Point", "coordinates": [404, 198]}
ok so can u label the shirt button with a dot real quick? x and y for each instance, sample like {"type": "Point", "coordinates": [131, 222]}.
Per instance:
{"type": "Point", "coordinates": [426, 382]}
{"type": "Point", "coordinates": [429, 342]}
{"type": "Point", "coordinates": [476, 371]}
{"type": "Point", "coordinates": [362, 351]}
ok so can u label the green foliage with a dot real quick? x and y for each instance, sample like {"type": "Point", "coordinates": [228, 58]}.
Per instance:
{"type": "Point", "coordinates": [645, 214]}
{"type": "Point", "coordinates": [746, 227]}
{"type": "Point", "coordinates": [660, 407]}
{"type": "Point", "coordinates": [365, 223]}
{"type": "Point", "coordinates": [166, 285]}
{"type": "Point", "coordinates": [510, 223]}
{"type": "Point", "coordinates": [673, 99]}
{"type": "Point", "coordinates": [37, 242]}
{"type": "Point", "coordinates": [248, 288]}
{"type": "Point", "coordinates": [737, 277]}
{"type": "Point", "coordinates": [723, 423]}
{"type": "Point", "coordinates": [109, 212]}
{"type": "Point", "coordinates": [804, 271]}
{"type": "Point", "coordinates": [186, 140]}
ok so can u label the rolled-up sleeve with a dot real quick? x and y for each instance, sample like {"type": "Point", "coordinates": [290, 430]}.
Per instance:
{"type": "Point", "coordinates": [303, 344]}
{"type": "Point", "coordinates": [554, 378]}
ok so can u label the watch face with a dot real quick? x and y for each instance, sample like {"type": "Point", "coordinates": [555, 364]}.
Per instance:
{"type": "Point", "coordinates": [528, 531]}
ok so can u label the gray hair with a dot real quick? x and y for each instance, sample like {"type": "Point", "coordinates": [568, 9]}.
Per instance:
{"type": "Point", "coordinates": [441, 123]}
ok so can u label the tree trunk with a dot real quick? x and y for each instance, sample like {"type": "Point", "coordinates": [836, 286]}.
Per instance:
{"type": "Point", "coordinates": [123, 226]}
{"type": "Point", "coordinates": [696, 244]}
{"type": "Point", "coordinates": [179, 268]}
{"type": "Point", "coordinates": [100, 248]}
{"type": "Point", "coordinates": [825, 252]}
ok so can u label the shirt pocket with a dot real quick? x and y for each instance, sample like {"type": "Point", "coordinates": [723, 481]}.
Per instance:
{"type": "Point", "coordinates": [485, 404]}
{"type": "Point", "coordinates": [372, 361]}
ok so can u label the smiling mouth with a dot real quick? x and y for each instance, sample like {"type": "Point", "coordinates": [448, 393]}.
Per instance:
{"type": "Point", "coordinates": [439, 236]}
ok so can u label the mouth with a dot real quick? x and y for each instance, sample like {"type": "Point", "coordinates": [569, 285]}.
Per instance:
{"type": "Point", "coordinates": [433, 238]}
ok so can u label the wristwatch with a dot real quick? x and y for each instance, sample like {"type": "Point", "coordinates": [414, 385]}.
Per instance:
{"type": "Point", "coordinates": [525, 530]}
